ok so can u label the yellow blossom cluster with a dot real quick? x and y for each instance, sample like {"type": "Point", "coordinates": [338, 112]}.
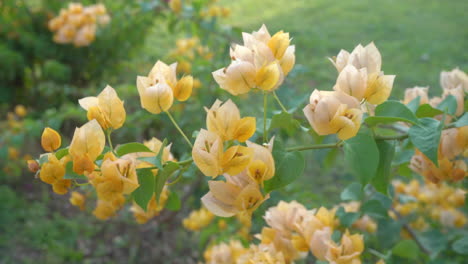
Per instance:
{"type": "Point", "coordinates": [77, 24]}
{"type": "Point", "coordinates": [186, 50]}
{"type": "Point", "coordinates": [112, 176]}
{"type": "Point", "coordinates": [13, 126]}
{"type": "Point", "coordinates": [208, 11]}
{"type": "Point", "coordinates": [77, 199]}
{"type": "Point", "coordinates": [198, 219]}
{"type": "Point", "coordinates": [216, 11]}
{"type": "Point", "coordinates": [292, 232]}
{"type": "Point", "coordinates": [453, 146]}
{"type": "Point", "coordinates": [439, 202]}
{"type": "Point", "coordinates": [360, 81]}
{"type": "Point", "coordinates": [244, 168]}
{"type": "Point", "coordinates": [53, 171]}
{"type": "Point", "coordinates": [158, 89]}
{"type": "Point", "coordinates": [453, 83]}
{"type": "Point", "coordinates": [262, 62]}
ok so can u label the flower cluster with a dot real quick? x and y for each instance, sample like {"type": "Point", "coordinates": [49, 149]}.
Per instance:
{"type": "Point", "coordinates": [244, 168]}
{"type": "Point", "coordinates": [453, 141]}
{"type": "Point", "coordinates": [208, 11]}
{"type": "Point", "coordinates": [453, 83]}
{"type": "Point", "coordinates": [11, 129]}
{"type": "Point", "coordinates": [292, 232]}
{"type": "Point", "coordinates": [112, 176]}
{"type": "Point", "coordinates": [360, 81]}
{"type": "Point", "coordinates": [261, 62]}
{"type": "Point", "coordinates": [77, 24]}
{"type": "Point", "coordinates": [186, 50]}
{"type": "Point", "coordinates": [198, 219]}
{"type": "Point", "coordinates": [439, 202]}
{"type": "Point", "coordinates": [158, 89]}
{"type": "Point", "coordinates": [53, 171]}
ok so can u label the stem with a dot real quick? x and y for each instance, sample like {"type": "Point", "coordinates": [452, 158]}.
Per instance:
{"type": "Point", "coordinates": [279, 102]}
{"type": "Point", "coordinates": [340, 143]}
{"type": "Point", "coordinates": [265, 132]}
{"type": "Point", "coordinates": [399, 137]}
{"type": "Point", "coordinates": [179, 129]}
{"type": "Point", "coordinates": [319, 146]}
{"type": "Point", "coordinates": [80, 184]}
{"type": "Point", "coordinates": [185, 162]}
{"type": "Point", "coordinates": [411, 232]}
{"type": "Point", "coordinates": [109, 140]}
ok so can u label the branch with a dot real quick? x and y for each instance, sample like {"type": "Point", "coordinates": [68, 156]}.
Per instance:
{"type": "Point", "coordinates": [411, 232]}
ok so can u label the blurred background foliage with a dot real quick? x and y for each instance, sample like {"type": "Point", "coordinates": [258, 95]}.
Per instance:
{"type": "Point", "coordinates": [41, 81]}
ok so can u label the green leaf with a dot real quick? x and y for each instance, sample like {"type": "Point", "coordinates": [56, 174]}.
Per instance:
{"type": "Point", "coordinates": [462, 121]}
{"type": "Point", "coordinates": [434, 241]}
{"type": "Point", "coordinates": [448, 105]}
{"type": "Point", "coordinates": [362, 156]}
{"type": "Point", "coordinates": [395, 110]}
{"type": "Point", "coordinates": [352, 192]}
{"type": "Point", "coordinates": [173, 201]}
{"type": "Point", "coordinates": [71, 175]}
{"type": "Point", "coordinates": [461, 246]}
{"type": "Point", "coordinates": [383, 176]}
{"type": "Point", "coordinates": [347, 218]}
{"type": "Point", "coordinates": [426, 137]}
{"type": "Point", "coordinates": [61, 153]}
{"type": "Point", "coordinates": [374, 209]}
{"type": "Point", "coordinates": [131, 148]}
{"type": "Point", "coordinates": [163, 174]}
{"type": "Point", "coordinates": [406, 249]}
{"type": "Point", "coordinates": [289, 167]}
{"type": "Point", "coordinates": [426, 110]}
{"type": "Point", "coordinates": [286, 122]}
{"type": "Point", "coordinates": [142, 195]}
{"type": "Point", "coordinates": [403, 156]}
{"type": "Point", "coordinates": [414, 104]}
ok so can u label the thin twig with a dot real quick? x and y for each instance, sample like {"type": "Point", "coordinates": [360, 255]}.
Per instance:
{"type": "Point", "coordinates": [411, 232]}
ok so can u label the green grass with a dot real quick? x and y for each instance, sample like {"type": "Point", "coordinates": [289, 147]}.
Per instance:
{"type": "Point", "coordinates": [417, 39]}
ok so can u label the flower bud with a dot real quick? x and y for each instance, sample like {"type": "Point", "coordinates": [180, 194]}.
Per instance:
{"type": "Point", "coordinates": [88, 139]}
{"type": "Point", "coordinates": [236, 159]}
{"type": "Point", "coordinates": [269, 77]}
{"type": "Point", "coordinates": [52, 171]}
{"type": "Point", "coordinates": [278, 44]}
{"type": "Point", "coordinates": [156, 98]}
{"type": "Point", "coordinates": [453, 79]}
{"type": "Point", "coordinates": [352, 81]}
{"type": "Point", "coordinates": [366, 57]}
{"type": "Point", "coordinates": [341, 60]}
{"type": "Point", "coordinates": [106, 108]}
{"type": "Point", "coordinates": [207, 153]}
{"type": "Point", "coordinates": [379, 88]}
{"type": "Point", "coordinates": [61, 186]}
{"type": "Point", "coordinates": [20, 110]}
{"type": "Point", "coordinates": [77, 199]}
{"type": "Point", "coordinates": [288, 60]}
{"type": "Point", "coordinates": [412, 93]}
{"type": "Point", "coordinates": [237, 78]}
{"type": "Point", "coordinates": [33, 166]}
{"type": "Point", "coordinates": [183, 88]}
{"type": "Point", "coordinates": [50, 140]}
